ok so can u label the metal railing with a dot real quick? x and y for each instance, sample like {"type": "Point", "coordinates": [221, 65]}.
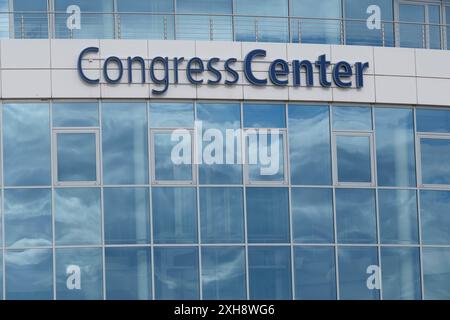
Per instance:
{"type": "Point", "coordinates": [232, 27]}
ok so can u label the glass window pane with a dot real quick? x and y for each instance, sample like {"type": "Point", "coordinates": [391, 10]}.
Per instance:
{"type": "Point", "coordinates": [171, 165]}
{"type": "Point", "coordinates": [30, 19]}
{"type": "Point", "coordinates": [395, 147]}
{"type": "Point", "coordinates": [79, 274]}
{"type": "Point", "coordinates": [264, 116]}
{"type": "Point", "coordinates": [354, 159]}
{"type": "Point", "coordinates": [172, 115]}
{"type": "Point", "coordinates": [434, 19]}
{"type": "Point", "coordinates": [412, 24]}
{"type": "Point", "coordinates": [176, 273]}
{"type": "Point", "coordinates": [28, 217]}
{"type": "Point", "coordinates": [435, 217]}
{"type": "Point", "coordinates": [315, 273]}
{"type": "Point", "coordinates": [260, 29]}
{"type": "Point", "coordinates": [435, 157]}
{"type": "Point", "coordinates": [353, 277]}
{"type": "Point", "coordinates": [75, 114]}
{"type": "Point", "coordinates": [221, 117]}
{"type": "Point", "coordinates": [28, 274]}
{"type": "Point", "coordinates": [356, 216]}
{"type": "Point", "coordinates": [223, 273]}
{"type": "Point", "coordinates": [270, 273]}
{"type": "Point", "coordinates": [398, 216]}
{"type": "Point", "coordinates": [401, 273]}
{"type": "Point", "coordinates": [77, 157]}
{"type": "Point", "coordinates": [174, 215]}
{"type": "Point", "coordinates": [436, 264]}
{"type": "Point", "coordinates": [324, 28]}
{"type": "Point", "coordinates": [4, 23]}
{"type": "Point", "coordinates": [433, 120]}
{"type": "Point", "coordinates": [125, 146]}
{"type": "Point", "coordinates": [309, 142]}
{"type": "Point", "coordinates": [356, 29]}
{"type": "Point", "coordinates": [97, 19]}
{"type": "Point", "coordinates": [26, 143]}
{"type": "Point", "coordinates": [352, 118]}
{"type": "Point", "coordinates": [142, 19]}
{"type": "Point", "coordinates": [77, 216]}
{"type": "Point", "coordinates": [265, 156]}
{"type": "Point", "coordinates": [262, 8]}
{"type": "Point", "coordinates": [222, 215]}
{"type": "Point", "coordinates": [267, 215]}
{"type": "Point", "coordinates": [312, 215]}
{"type": "Point", "coordinates": [1, 274]}
{"type": "Point", "coordinates": [126, 213]}
{"type": "Point", "coordinates": [128, 273]}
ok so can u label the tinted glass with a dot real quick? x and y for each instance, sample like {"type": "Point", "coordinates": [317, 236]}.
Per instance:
{"type": "Point", "coordinates": [126, 217]}
{"type": "Point", "coordinates": [264, 116]}
{"type": "Point", "coordinates": [352, 118]}
{"type": "Point", "coordinates": [30, 19]}
{"type": "Point", "coordinates": [435, 156]}
{"type": "Point", "coordinates": [267, 215]}
{"type": "Point", "coordinates": [436, 263]}
{"type": "Point", "coordinates": [434, 209]}
{"type": "Point", "coordinates": [75, 114]}
{"type": "Point", "coordinates": [172, 115]}
{"type": "Point", "coordinates": [432, 120]}
{"type": "Point", "coordinates": [411, 30]}
{"type": "Point", "coordinates": [170, 164]}
{"type": "Point", "coordinates": [353, 159]}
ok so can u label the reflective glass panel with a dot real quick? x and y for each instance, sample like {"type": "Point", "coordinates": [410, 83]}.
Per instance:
{"type": "Point", "coordinates": [26, 145]}
{"type": "Point", "coordinates": [128, 275]}
{"type": "Point", "coordinates": [97, 19]}
{"type": "Point", "coordinates": [433, 120]}
{"type": "Point", "coordinates": [226, 119]}
{"type": "Point", "coordinates": [436, 264]}
{"type": "Point", "coordinates": [356, 216]}
{"type": "Point", "coordinates": [222, 215]}
{"type": "Point", "coordinates": [398, 216]}
{"type": "Point", "coordinates": [434, 209]}
{"type": "Point", "coordinates": [401, 273]}
{"type": "Point", "coordinates": [267, 215]}
{"type": "Point", "coordinates": [354, 159]}
{"type": "Point", "coordinates": [77, 216]}
{"type": "Point", "coordinates": [435, 157]}
{"type": "Point", "coordinates": [315, 273]}
{"type": "Point", "coordinates": [30, 19]}
{"type": "Point", "coordinates": [352, 118]}
{"type": "Point", "coordinates": [125, 145]}
{"type": "Point", "coordinates": [434, 19]}
{"type": "Point", "coordinates": [309, 142]}
{"type": "Point", "coordinates": [174, 215]}
{"type": "Point", "coordinates": [223, 273]}
{"type": "Point", "coordinates": [270, 273]}
{"type": "Point", "coordinates": [264, 116]}
{"type": "Point", "coordinates": [75, 114]}
{"type": "Point", "coordinates": [171, 115]}
{"type": "Point", "coordinates": [412, 24]}
{"type": "Point", "coordinates": [126, 215]}
{"type": "Point", "coordinates": [353, 276]}
{"type": "Point", "coordinates": [28, 217]}
{"type": "Point", "coordinates": [4, 24]}
{"type": "Point", "coordinates": [312, 215]}
{"type": "Point", "coordinates": [176, 273]}
{"type": "Point", "coordinates": [79, 274]}
{"type": "Point", "coordinates": [28, 274]}
{"type": "Point", "coordinates": [77, 157]}
{"type": "Point", "coordinates": [395, 147]}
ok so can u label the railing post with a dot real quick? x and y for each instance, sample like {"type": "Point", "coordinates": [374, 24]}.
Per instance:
{"type": "Point", "coordinates": [119, 27]}
{"type": "Point", "coordinates": [383, 35]}
{"type": "Point", "coordinates": [211, 29]}
{"type": "Point", "coordinates": [424, 39]}
{"type": "Point", "coordinates": [71, 33]}
{"type": "Point", "coordinates": [341, 26]}
{"type": "Point", "coordinates": [256, 30]}
{"type": "Point", "coordinates": [299, 31]}
{"type": "Point", "coordinates": [22, 27]}
{"type": "Point", "coordinates": [165, 27]}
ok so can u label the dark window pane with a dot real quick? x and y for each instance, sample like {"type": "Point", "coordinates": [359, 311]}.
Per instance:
{"type": "Point", "coordinates": [174, 215]}
{"type": "Point", "coordinates": [395, 147]}
{"type": "Point", "coordinates": [264, 116]}
{"type": "Point", "coordinates": [435, 217]}
{"type": "Point", "coordinates": [270, 273]}
{"type": "Point", "coordinates": [436, 266]}
{"type": "Point", "coordinates": [356, 216]}
{"type": "Point", "coordinates": [75, 114]}
{"type": "Point", "coordinates": [312, 215]}
{"type": "Point", "coordinates": [176, 274]}
{"type": "Point", "coordinates": [353, 275]}
{"type": "Point", "coordinates": [28, 274]}
{"type": "Point", "coordinates": [77, 216]}
{"type": "Point", "coordinates": [126, 213]}
{"type": "Point", "coordinates": [401, 273]}
{"type": "Point", "coordinates": [222, 215]}
{"type": "Point", "coordinates": [223, 273]}
{"type": "Point", "coordinates": [128, 273]}
{"type": "Point", "coordinates": [28, 217]}
{"type": "Point", "coordinates": [315, 273]}
{"type": "Point", "coordinates": [267, 215]}
{"type": "Point", "coordinates": [398, 216]}
{"type": "Point", "coordinates": [26, 143]}
{"type": "Point", "coordinates": [85, 264]}
{"type": "Point", "coordinates": [125, 146]}
{"type": "Point", "coordinates": [309, 142]}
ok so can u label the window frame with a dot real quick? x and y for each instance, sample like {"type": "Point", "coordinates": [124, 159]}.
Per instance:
{"type": "Point", "coordinates": [55, 133]}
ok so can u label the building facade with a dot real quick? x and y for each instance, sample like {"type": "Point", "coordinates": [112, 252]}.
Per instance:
{"type": "Point", "coordinates": [228, 149]}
